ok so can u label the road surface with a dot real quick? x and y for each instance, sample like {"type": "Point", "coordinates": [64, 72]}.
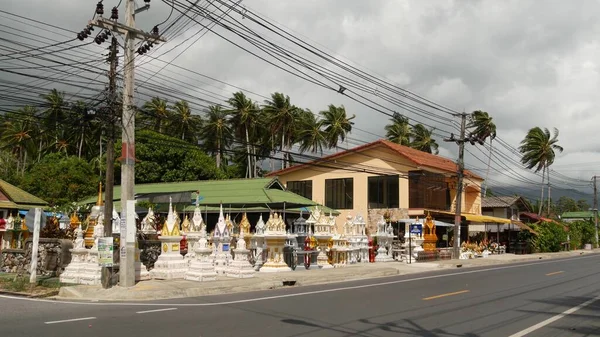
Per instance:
{"type": "Point", "coordinates": [541, 298]}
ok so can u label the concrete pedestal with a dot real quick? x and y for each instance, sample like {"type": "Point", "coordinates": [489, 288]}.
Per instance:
{"type": "Point", "coordinates": [192, 239]}
{"type": "Point", "coordinates": [274, 255]}
{"type": "Point", "coordinates": [76, 268]}
{"type": "Point", "coordinates": [170, 264]}
{"type": "Point", "coordinates": [201, 268]}
{"type": "Point", "coordinates": [240, 267]}
{"type": "Point", "coordinates": [92, 271]}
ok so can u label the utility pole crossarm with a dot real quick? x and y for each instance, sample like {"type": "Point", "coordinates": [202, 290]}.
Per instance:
{"type": "Point", "coordinates": [124, 29]}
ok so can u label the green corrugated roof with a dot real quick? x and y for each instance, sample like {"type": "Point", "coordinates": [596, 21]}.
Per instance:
{"type": "Point", "coordinates": [244, 194]}
{"type": "Point", "coordinates": [18, 197]}
{"type": "Point", "coordinates": [580, 214]}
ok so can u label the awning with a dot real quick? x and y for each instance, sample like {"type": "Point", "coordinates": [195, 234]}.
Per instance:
{"type": "Point", "coordinates": [474, 217]}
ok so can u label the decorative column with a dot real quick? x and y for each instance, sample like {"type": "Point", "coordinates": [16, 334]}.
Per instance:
{"type": "Point", "coordinates": [258, 244]}
{"type": "Point", "coordinates": [170, 264]}
{"type": "Point", "coordinates": [382, 242]}
{"type": "Point", "coordinates": [79, 253]}
{"type": "Point", "coordinates": [221, 245]}
{"type": "Point", "coordinates": [240, 267]}
{"type": "Point", "coordinates": [275, 237]}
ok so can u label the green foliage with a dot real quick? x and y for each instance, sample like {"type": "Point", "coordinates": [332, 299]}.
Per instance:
{"type": "Point", "coordinates": [60, 179]}
{"type": "Point", "coordinates": [550, 237]}
{"type": "Point", "coordinates": [581, 233]}
{"type": "Point", "coordinates": [167, 159]}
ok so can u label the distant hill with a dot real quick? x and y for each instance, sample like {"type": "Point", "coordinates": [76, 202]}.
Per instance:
{"type": "Point", "coordinates": [534, 194]}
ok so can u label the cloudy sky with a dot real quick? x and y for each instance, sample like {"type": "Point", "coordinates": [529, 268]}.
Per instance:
{"type": "Point", "coordinates": [527, 63]}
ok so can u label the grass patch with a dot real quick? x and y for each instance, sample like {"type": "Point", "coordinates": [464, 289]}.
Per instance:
{"type": "Point", "coordinates": [20, 283]}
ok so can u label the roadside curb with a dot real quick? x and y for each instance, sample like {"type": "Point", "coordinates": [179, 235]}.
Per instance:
{"type": "Point", "coordinates": [46, 294]}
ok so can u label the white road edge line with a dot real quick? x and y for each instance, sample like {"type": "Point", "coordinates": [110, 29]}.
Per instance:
{"type": "Point", "coordinates": [71, 320]}
{"type": "Point", "coordinates": [554, 318]}
{"type": "Point", "coordinates": [155, 310]}
{"type": "Point", "coordinates": [306, 293]}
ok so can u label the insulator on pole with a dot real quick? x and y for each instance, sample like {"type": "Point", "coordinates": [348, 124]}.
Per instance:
{"type": "Point", "coordinates": [114, 14]}
{"type": "Point", "coordinates": [100, 8]}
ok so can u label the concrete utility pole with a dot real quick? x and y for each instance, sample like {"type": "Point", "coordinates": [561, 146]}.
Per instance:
{"type": "Point", "coordinates": [596, 210]}
{"type": "Point", "coordinates": [107, 272]}
{"type": "Point", "coordinates": [127, 246]}
{"type": "Point", "coordinates": [459, 187]}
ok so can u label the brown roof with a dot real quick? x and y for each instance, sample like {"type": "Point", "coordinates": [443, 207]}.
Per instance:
{"type": "Point", "coordinates": [419, 158]}
{"type": "Point", "coordinates": [498, 202]}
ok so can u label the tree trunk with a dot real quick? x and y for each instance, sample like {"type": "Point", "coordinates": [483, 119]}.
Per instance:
{"type": "Point", "coordinates": [249, 164]}
{"type": "Point", "coordinates": [549, 187]}
{"type": "Point", "coordinates": [542, 197]}
{"type": "Point", "coordinates": [218, 153]}
{"type": "Point", "coordinates": [81, 143]}
{"type": "Point", "coordinates": [487, 172]}
{"type": "Point", "coordinates": [283, 154]}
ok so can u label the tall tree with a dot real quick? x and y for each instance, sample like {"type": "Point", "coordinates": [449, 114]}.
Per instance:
{"type": "Point", "coordinates": [55, 111]}
{"type": "Point", "coordinates": [184, 123]}
{"type": "Point", "coordinates": [216, 134]}
{"type": "Point", "coordinates": [337, 124]}
{"type": "Point", "coordinates": [538, 150]}
{"type": "Point", "coordinates": [312, 137]}
{"type": "Point", "coordinates": [244, 114]}
{"type": "Point", "coordinates": [423, 139]}
{"type": "Point", "coordinates": [483, 128]}
{"type": "Point", "coordinates": [157, 111]}
{"type": "Point", "coordinates": [399, 130]}
{"type": "Point", "coordinates": [281, 115]}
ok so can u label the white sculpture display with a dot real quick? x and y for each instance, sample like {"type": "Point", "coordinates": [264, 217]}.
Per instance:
{"type": "Point", "coordinates": [275, 236]}
{"type": "Point", "coordinates": [78, 264]}
{"type": "Point", "coordinates": [258, 244]}
{"type": "Point", "coordinates": [148, 223]}
{"type": "Point", "coordinates": [170, 264]}
{"type": "Point", "coordinates": [384, 241]}
{"type": "Point", "coordinates": [202, 267]}
{"type": "Point", "coordinates": [221, 244]}
{"type": "Point", "coordinates": [412, 242]}
{"type": "Point", "coordinates": [353, 240]}
{"type": "Point", "coordinates": [92, 271]}
{"type": "Point", "coordinates": [196, 226]}
{"type": "Point", "coordinates": [116, 221]}
{"type": "Point", "coordinates": [323, 232]}
{"type": "Point", "coordinates": [240, 267]}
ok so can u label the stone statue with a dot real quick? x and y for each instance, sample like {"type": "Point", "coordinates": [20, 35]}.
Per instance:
{"type": "Point", "coordinates": [186, 225]}
{"type": "Point", "coordinates": [148, 223]}
{"type": "Point", "coordinates": [79, 241]}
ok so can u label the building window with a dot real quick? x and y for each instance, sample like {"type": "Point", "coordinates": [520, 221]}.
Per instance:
{"type": "Point", "coordinates": [339, 193]}
{"type": "Point", "coordinates": [384, 192]}
{"type": "Point", "coordinates": [428, 190]}
{"type": "Point", "coordinates": [303, 188]}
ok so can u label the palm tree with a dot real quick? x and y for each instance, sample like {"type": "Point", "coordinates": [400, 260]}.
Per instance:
{"type": "Point", "coordinates": [312, 137]}
{"type": "Point", "coordinates": [483, 128]}
{"type": "Point", "coordinates": [423, 139]}
{"type": "Point", "coordinates": [157, 110]}
{"type": "Point", "coordinates": [244, 115]}
{"type": "Point", "coordinates": [55, 112]}
{"type": "Point", "coordinates": [281, 115]}
{"type": "Point", "coordinates": [216, 132]}
{"type": "Point", "coordinates": [183, 122]}
{"type": "Point", "coordinates": [399, 130]}
{"type": "Point", "coordinates": [16, 135]}
{"type": "Point", "coordinates": [337, 124]}
{"type": "Point", "coordinates": [538, 150]}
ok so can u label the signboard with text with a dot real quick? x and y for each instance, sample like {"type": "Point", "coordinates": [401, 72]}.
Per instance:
{"type": "Point", "coordinates": [105, 251]}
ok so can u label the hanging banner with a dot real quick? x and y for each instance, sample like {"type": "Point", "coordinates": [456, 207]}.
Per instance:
{"type": "Point", "coordinates": [105, 251]}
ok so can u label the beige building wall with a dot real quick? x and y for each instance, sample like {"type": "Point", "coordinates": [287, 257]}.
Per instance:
{"type": "Point", "coordinates": [376, 159]}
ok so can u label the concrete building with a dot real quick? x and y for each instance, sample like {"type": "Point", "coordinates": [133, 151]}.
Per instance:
{"type": "Point", "coordinates": [381, 177]}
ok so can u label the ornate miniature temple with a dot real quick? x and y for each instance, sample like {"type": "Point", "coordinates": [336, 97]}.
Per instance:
{"type": "Point", "coordinates": [221, 244]}
{"type": "Point", "coordinates": [95, 217]}
{"type": "Point", "coordinates": [323, 233]}
{"type": "Point", "coordinates": [275, 236]}
{"type": "Point", "coordinates": [170, 263]}
{"type": "Point", "coordinates": [384, 241]}
{"type": "Point", "coordinates": [429, 236]}
{"type": "Point", "coordinates": [79, 256]}
{"type": "Point", "coordinates": [258, 244]}
{"type": "Point", "coordinates": [240, 267]}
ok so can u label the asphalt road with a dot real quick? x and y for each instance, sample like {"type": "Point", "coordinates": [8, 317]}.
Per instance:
{"type": "Point", "coordinates": [542, 298]}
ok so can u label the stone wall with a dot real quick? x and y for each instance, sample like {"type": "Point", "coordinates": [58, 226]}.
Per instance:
{"type": "Point", "coordinates": [376, 213]}
{"type": "Point", "coordinates": [53, 256]}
